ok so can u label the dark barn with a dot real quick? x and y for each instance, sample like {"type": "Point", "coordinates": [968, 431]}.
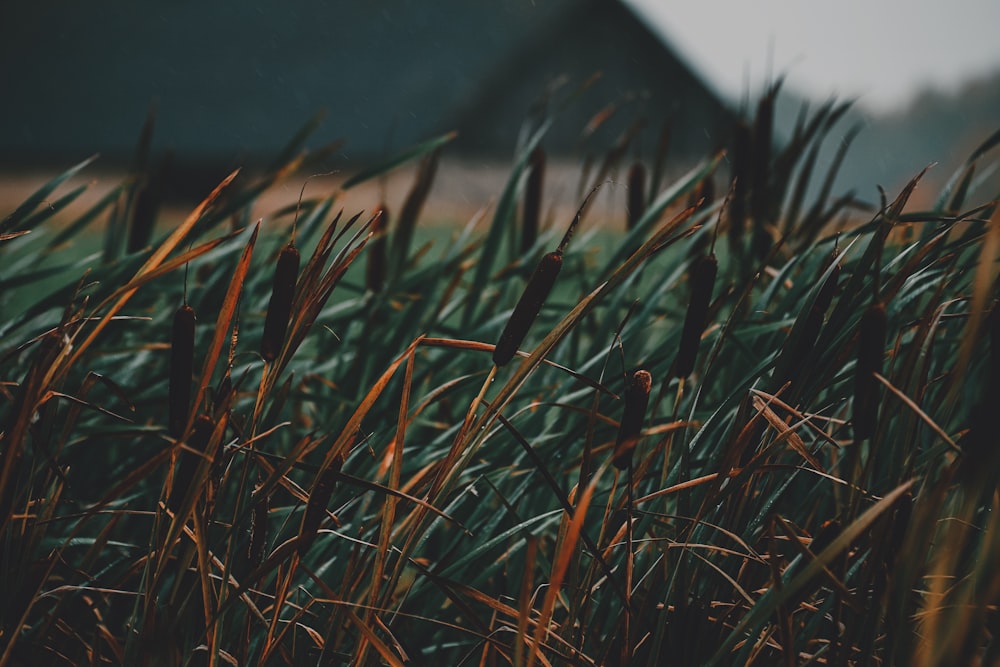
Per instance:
{"type": "Point", "coordinates": [231, 82]}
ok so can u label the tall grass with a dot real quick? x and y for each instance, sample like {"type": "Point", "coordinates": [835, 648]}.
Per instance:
{"type": "Point", "coordinates": [332, 464]}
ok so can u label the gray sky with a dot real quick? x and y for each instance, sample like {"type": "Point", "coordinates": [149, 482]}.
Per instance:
{"type": "Point", "coordinates": [882, 51]}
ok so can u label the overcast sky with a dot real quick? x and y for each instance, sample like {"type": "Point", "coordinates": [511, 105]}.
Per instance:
{"type": "Point", "coordinates": [882, 51]}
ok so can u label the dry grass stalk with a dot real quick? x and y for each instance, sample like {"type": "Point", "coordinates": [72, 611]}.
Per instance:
{"type": "Point", "coordinates": [181, 370]}
{"type": "Point", "coordinates": [528, 307]}
{"type": "Point", "coordinates": [637, 387]}
{"type": "Point", "coordinates": [279, 308]}
{"type": "Point", "coordinates": [702, 282]}
{"type": "Point", "coordinates": [189, 461]}
{"type": "Point", "coordinates": [871, 349]}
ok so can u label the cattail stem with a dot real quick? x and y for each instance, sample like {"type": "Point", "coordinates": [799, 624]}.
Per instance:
{"type": "Point", "coordinates": [181, 370]}
{"type": "Point", "coordinates": [279, 308]}
{"type": "Point", "coordinates": [702, 282]}
{"type": "Point", "coordinates": [527, 308]}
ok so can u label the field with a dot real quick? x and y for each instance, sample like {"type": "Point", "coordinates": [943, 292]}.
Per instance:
{"type": "Point", "coordinates": [753, 428]}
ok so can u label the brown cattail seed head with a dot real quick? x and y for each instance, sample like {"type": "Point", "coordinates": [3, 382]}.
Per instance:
{"type": "Point", "coordinates": [636, 194]}
{"type": "Point", "coordinates": [792, 357]}
{"type": "Point", "coordinates": [871, 349]}
{"type": "Point", "coordinates": [763, 133]}
{"type": "Point", "coordinates": [637, 387]}
{"type": "Point", "coordinates": [375, 271]}
{"type": "Point", "coordinates": [741, 188]}
{"type": "Point", "coordinates": [702, 281]}
{"type": "Point", "coordinates": [319, 499]}
{"type": "Point", "coordinates": [181, 370]}
{"type": "Point", "coordinates": [279, 309]}
{"type": "Point", "coordinates": [144, 212]}
{"type": "Point", "coordinates": [528, 307]}
{"type": "Point", "coordinates": [532, 199]}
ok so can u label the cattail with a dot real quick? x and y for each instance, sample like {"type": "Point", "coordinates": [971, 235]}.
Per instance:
{"type": "Point", "coordinates": [792, 357]}
{"type": "Point", "coordinates": [181, 370]}
{"type": "Point", "coordinates": [702, 281]}
{"type": "Point", "coordinates": [760, 172]}
{"type": "Point", "coordinates": [741, 187]}
{"type": "Point", "coordinates": [316, 506]}
{"type": "Point", "coordinates": [660, 161]}
{"type": "Point", "coordinates": [146, 207]}
{"type": "Point", "coordinates": [279, 308]}
{"type": "Point", "coordinates": [871, 348]}
{"type": "Point", "coordinates": [406, 223]}
{"type": "Point", "coordinates": [258, 526]}
{"type": "Point", "coordinates": [189, 461]}
{"type": "Point", "coordinates": [532, 199]}
{"type": "Point", "coordinates": [527, 308]}
{"type": "Point", "coordinates": [375, 271]}
{"type": "Point", "coordinates": [814, 319]}
{"type": "Point", "coordinates": [898, 526]}
{"type": "Point", "coordinates": [637, 388]}
{"type": "Point", "coordinates": [636, 194]}
{"type": "Point", "coordinates": [144, 212]}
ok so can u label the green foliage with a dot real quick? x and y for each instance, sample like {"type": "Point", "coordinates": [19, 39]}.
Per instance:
{"type": "Point", "coordinates": [378, 492]}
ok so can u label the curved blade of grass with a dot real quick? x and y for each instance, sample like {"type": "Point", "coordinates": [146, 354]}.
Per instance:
{"type": "Point", "coordinates": [50, 210]}
{"type": "Point", "coordinates": [77, 225]}
{"type": "Point", "coordinates": [14, 221]}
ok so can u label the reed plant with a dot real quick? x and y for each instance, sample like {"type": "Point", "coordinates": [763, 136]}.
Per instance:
{"type": "Point", "coordinates": [445, 456]}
